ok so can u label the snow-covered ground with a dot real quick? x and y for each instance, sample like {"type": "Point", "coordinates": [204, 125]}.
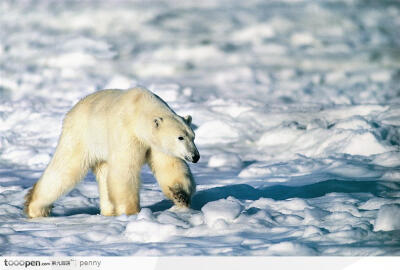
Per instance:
{"type": "Point", "coordinates": [296, 107]}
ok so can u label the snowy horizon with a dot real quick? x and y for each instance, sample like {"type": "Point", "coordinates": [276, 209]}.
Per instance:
{"type": "Point", "coordinates": [295, 106]}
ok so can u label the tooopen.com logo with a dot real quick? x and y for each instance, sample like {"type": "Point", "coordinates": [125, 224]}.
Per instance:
{"type": "Point", "coordinates": [21, 263]}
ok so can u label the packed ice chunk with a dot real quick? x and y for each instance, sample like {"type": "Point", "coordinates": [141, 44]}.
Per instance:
{"type": "Point", "coordinates": [72, 60]}
{"type": "Point", "coordinates": [168, 217]}
{"type": "Point", "coordinates": [255, 33]}
{"type": "Point", "coordinates": [302, 39]}
{"type": "Point", "coordinates": [381, 76]}
{"type": "Point", "coordinates": [389, 159]}
{"type": "Point", "coordinates": [290, 249]}
{"type": "Point", "coordinates": [224, 209]}
{"type": "Point", "coordinates": [150, 231]}
{"type": "Point", "coordinates": [168, 92]}
{"type": "Point", "coordinates": [364, 144]}
{"type": "Point", "coordinates": [120, 82]}
{"type": "Point", "coordinates": [279, 136]}
{"type": "Point", "coordinates": [355, 123]}
{"type": "Point", "coordinates": [145, 214]}
{"type": "Point", "coordinates": [388, 218]}
{"type": "Point", "coordinates": [334, 77]}
{"type": "Point", "coordinates": [377, 203]}
{"type": "Point", "coordinates": [255, 170]}
{"type": "Point", "coordinates": [312, 231]}
{"type": "Point", "coordinates": [216, 131]}
{"type": "Point", "coordinates": [224, 160]}
{"type": "Point", "coordinates": [314, 216]}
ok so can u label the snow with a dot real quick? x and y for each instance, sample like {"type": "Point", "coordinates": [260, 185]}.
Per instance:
{"type": "Point", "coordinates": [148, 231]}
{"type": "Point", "coordinates": [289, 248]}
{"type": "Point", "coordinates": [298, 126]}
{"type": "Point", "coordinates": [216, 132]}
{"type": "Point", "coordinates": [224, 209]}
{"type": "Point", "coordinates": [388, 218]}
{"type": "Point", "coordinates": [225, 161]}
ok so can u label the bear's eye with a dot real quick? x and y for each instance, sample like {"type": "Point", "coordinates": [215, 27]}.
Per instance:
{"type": "Point", "coordinates": [180, 138]}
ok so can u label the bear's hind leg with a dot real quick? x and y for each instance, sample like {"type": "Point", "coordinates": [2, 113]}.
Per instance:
{"type": "Point", "coordinates": [174, 177]}
{"type": "Point", "coordinates": [64, 171]}
{"type": "Point", "coordinates": [101, 171]}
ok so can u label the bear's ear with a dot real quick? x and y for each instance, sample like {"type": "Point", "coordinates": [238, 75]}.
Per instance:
{"type": "Point", "coordinates": [157, 121]}
{"type": "Point", "coordinates": [188, 119]}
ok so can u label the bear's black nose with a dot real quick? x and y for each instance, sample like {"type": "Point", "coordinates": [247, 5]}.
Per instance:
{"type": "Point", "coordinates": [196, 157]}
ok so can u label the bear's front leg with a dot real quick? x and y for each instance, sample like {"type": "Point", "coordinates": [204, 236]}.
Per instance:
{"type": "Point", "coordinates": [123, 187]}
{"type": "Point", "coordinates": [123, 176]}
{"type": "Point", "coordinates": [100, 169]}
{"type": "Point", "coordinates": [174, 177]}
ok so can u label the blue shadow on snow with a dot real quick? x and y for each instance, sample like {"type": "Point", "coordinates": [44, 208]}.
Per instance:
{"type": "Point", "coordinates": [280, 192]}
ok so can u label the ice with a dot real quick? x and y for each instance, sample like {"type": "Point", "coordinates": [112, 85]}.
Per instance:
{"type": "Point", "coordinates": [120, 82]}
{"type": "Point", "coordinates": [297, 125]}
{"type": "Point", "coordinates": [389, 159]}
{"type": "Point", "coordinates": [216, 131]}
{"type": "Point", "coordinates": [224, 161]}
{"type": "Point", "coordinates": [145, 214]}
{"type": "Point", "coordinates": [381, 76]}
{"type": "Point", "coordinates": [357, 144]}
{"type": "Point", "coordinates": [220, 211]}
{"type": "Point", "coordinates": [148, 231]}
{"type": "Point", "coordinates": [388, 218]}
{"type": "Point", "coordinates": [312, 231]}
{"type": "Point", "coordinates": [302, 39]}
{"type": "Point", "coordinates": [376, 203]}
{"type": "Point", "coordinates": [288, 249]}
{"type": "Point", "coordinates": [356, 123]}
{"type": "Point", "coordinates": [283, 136]}
{"type": "Point", "coordinates": [254, 33]}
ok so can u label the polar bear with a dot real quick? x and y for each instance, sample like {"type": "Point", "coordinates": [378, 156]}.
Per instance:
{"type": "Point", "coordinates": [114, 133]}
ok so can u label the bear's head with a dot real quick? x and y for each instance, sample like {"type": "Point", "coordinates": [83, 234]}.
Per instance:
{"type": "Point", "coordinates": [174, 136]}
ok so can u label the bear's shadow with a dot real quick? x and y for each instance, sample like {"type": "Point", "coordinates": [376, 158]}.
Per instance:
{"type": "Point", "coordinates": [278, 192]}
{"type": "Point", "coordinates": [76, 211]}
{"type": "Point", "coordinates": [247, 192]}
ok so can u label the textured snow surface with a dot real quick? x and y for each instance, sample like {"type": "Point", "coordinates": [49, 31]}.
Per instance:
{"type": "Point", "coordinates": [295, 105]}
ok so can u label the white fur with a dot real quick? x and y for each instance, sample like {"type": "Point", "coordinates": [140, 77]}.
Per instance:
{"type": "Point", "coordinates": [114, 133]}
